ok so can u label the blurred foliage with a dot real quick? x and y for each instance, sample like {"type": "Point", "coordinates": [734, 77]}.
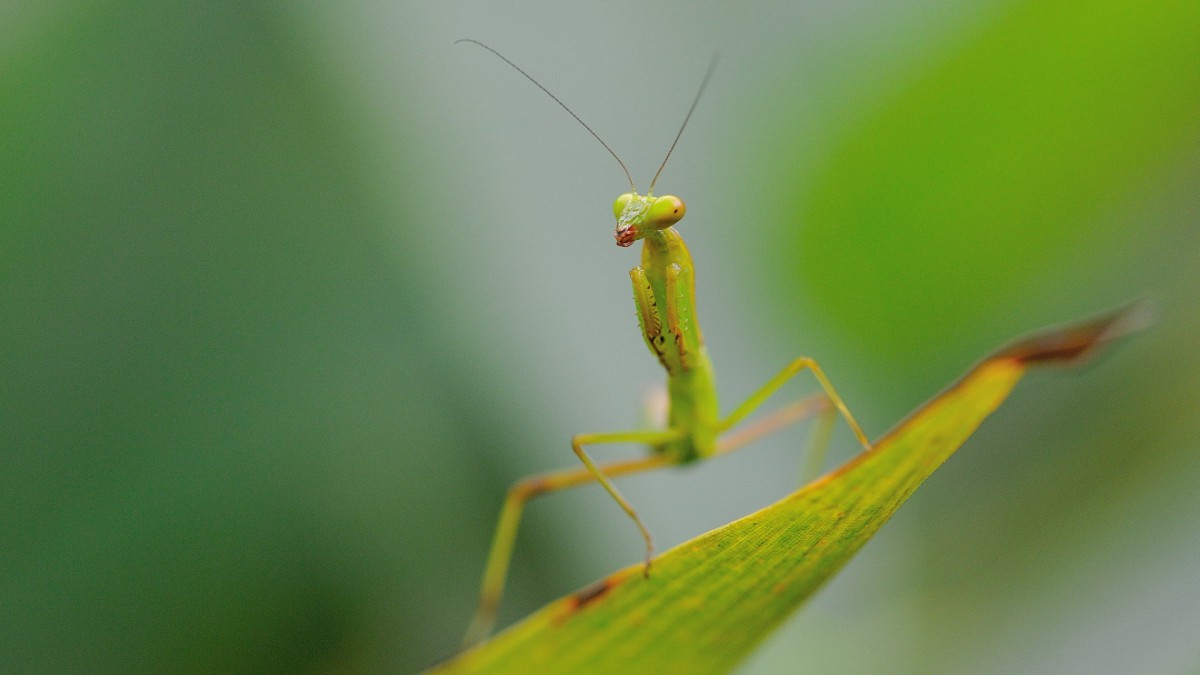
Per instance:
{"type": "Point", "coordinates": [260, 393]}
{"type": "Point", "coordinates": [202, 314]}
{"type": "Point", "coordinates": [986, 172]}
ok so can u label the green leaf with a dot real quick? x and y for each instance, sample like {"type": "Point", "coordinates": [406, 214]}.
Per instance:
{"type": "Point", "coordinates": [709, 601]}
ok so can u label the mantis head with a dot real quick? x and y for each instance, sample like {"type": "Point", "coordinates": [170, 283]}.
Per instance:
{"type": "Point", "coordinates": [638, 215]}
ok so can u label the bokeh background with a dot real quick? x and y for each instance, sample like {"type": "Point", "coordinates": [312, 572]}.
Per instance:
{"type": "Point", "coordinates": [291, 292]}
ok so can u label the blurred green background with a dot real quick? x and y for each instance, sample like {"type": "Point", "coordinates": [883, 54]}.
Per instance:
{"type": "Point", "coordinates": [291, 292]}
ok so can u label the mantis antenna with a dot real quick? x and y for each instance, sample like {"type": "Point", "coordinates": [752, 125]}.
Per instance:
{"type": "Point", "coordinates": [564, 107]}
{"type": "Point", "coordinates": [712, 65]}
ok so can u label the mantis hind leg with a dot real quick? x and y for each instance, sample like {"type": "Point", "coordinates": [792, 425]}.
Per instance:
{"type": "Point", "coordinates": [817, 405]}
{"type": "Point", "coordinates": [824, 405]}
{"type": "Point", "coordinates": [500, 555]}
{"type": "Point", "coordinates": [818, 444]}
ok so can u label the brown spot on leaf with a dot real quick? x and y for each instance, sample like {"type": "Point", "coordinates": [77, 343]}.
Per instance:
{"type": "Point", "coordinates": [592, 593]}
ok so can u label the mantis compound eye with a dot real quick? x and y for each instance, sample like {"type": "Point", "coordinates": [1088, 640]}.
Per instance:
{"type": "Point", "coordinates": [621, 203]}
{"type": "Point", "coordinates": [665, 212]}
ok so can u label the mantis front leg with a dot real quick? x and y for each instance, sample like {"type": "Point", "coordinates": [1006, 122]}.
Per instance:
{"type": "Point", "coordinates": [522, 491]}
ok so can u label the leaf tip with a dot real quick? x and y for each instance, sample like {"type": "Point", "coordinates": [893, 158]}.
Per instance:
{"type": "Point", "coordinates": [1078, 341]}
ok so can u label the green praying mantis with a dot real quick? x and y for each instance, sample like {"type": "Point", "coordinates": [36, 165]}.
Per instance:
{"type": "Point", "coordinates": [665, 296]}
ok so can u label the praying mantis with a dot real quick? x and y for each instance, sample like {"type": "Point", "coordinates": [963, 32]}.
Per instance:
{"type": "Point", "coordinates": [665, 296]}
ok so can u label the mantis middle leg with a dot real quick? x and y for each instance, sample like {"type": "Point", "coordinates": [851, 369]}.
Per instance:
{"type": "Point", "coordinates": [522, 491]}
